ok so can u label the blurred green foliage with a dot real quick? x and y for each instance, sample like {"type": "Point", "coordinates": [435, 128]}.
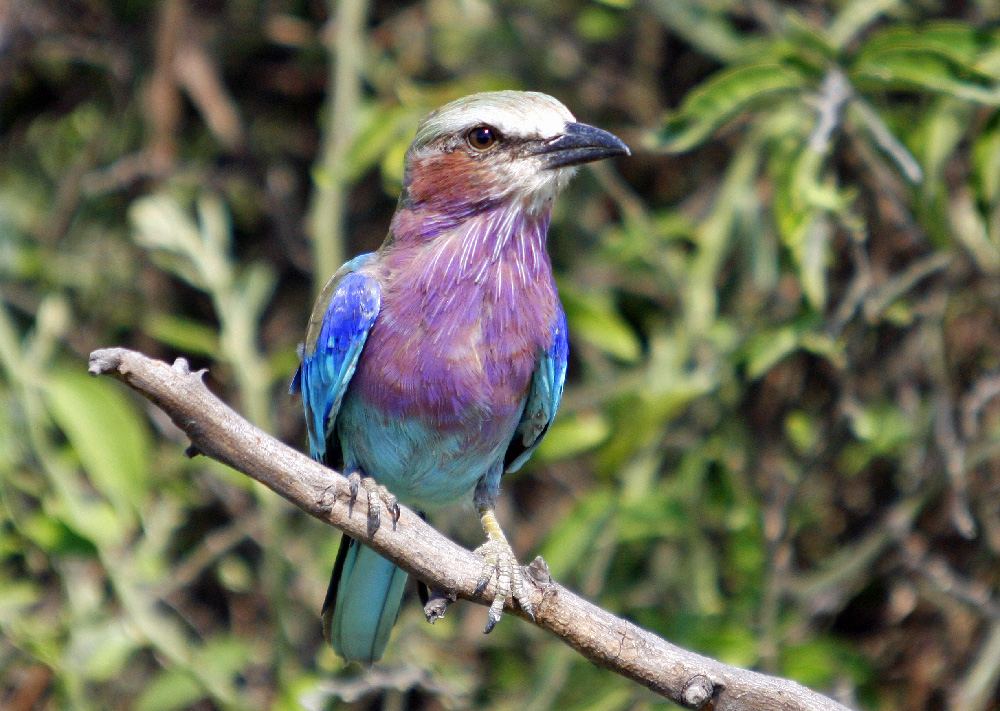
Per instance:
{"type": "Point", "coordinates": [779, 442]}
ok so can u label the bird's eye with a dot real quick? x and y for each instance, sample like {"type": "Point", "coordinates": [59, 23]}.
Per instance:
{"type": "Point", "coordinates": [482, 138]}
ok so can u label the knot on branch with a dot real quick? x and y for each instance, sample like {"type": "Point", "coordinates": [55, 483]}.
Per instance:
{"type": "Point", "coordinates": [538, 572]}
{"type": "Point", "coordinates": [104, 361]}
{"type": "Point", "coordinates": [699, 691]}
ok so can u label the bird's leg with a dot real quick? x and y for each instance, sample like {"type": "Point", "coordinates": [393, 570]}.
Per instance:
{"type": "Point", "coordinates": [377, 494]}
{"type": "Point", "coordinates": [500, 560]}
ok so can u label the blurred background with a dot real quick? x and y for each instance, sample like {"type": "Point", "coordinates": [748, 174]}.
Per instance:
{"type": "Point", "coordinates": [779, 441]}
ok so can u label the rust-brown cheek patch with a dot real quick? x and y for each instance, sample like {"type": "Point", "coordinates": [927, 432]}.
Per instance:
{"type": "Point", "coordinates": [450, 179]}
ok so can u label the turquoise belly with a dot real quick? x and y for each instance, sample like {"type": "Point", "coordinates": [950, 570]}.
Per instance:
{"type": "Point", "coordinates": [422, 466]}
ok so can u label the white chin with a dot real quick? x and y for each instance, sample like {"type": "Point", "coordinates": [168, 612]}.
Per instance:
{"type": "Point", "coordinates": [539, 189]}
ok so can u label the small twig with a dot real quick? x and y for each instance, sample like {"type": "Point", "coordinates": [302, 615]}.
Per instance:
{"type": "Point", "coordinates": [343, 39]}
{"type": "Point", "coordinates": [826, 591]}
{"type": "Point", "coordinates": [884, 139]}
{"type": "Point", "coordinates": [939, 573]}
{"type": "Point", "coordinates": [953, 448]}
{"type": "Point", "coordinates": [212, 547]}
{"type": "Point", "coordinates": [880, 300]}
{"type": "Point", "coordinates": [202, 80]}
{"type": "Point", "coordinates": [835, 92]}
{"type": "Point", "coordinates": [975, 691]}
{"type": "Point", "coordinates": [973, 402]}
{"type": "Point", "coordinates": [858, 288]}
{"type": "Point", "coordinates": [608, 641]}
{"type": "Point", "coordinates": [377, 678]}
{"type": "Point", "coordinates": [163, 98]}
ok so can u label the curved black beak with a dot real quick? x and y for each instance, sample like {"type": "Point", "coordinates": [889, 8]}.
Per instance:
{"type": "Point", "coordinates": [580, 143]}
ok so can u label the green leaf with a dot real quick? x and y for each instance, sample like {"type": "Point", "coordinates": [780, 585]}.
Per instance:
{"type": "Point", "coordinates": [803, 431]}
{"type": "Point", "coordinates": [386, 129]}
{"type": "Point", "coordinates": [101, 649]}
{"type": "Point", "coordinates": [986, 164]}
{"type": "Point", "coordinates": [704, 564]}
{"type": "Point", "coordinates": [107, 433]}
{"type": "Point", "coordinates": [171, 690]}
{"type": "Point", "coordinates": [610, 698]}
{"type": "Point", "coordinates": [768, 348]}
{"type": "Point", "coordinates": [804, 208]}
{"type": "Point", "coordinates": [883, 427]}
{"type": "Point", "coordinates": [182, 334]}
{"type": "Point", "coordinates": [57, 535]}
{"type": "Point", "coordinates": [77, 523]}
{"type": "Point", "coordinates": [723, 96]}
{"type": "Point", "coordinates": [730, 641]}
{"type": "Point", "coordinates": [815, 663]}
{"type": "Point", "coordinates": [593, 318]}
{"type": "Point", "coordinates": [958, 41]}
{"type": "Point", "coordinates": [854, 17]}
{"type": "Point", "coordinates": [815, 243]}
{"type": "Point", "coordinates": [941, 58]}
{"type": "Point", "coordinates": [970, 230]}
{"type": "Point", "coordinates": [221, 658]}
{"type": "Point", "coordinates": [16, 599]}
{"type": "Point", "coordinates": [568, 436]}
{"type": "Point", "coordinates": [659, 516]}
{"type": "Point", "coordinates": [597, 24]}
{"type": "Point", "coordinates": [571, 541]}
{"type": "Point", "coordinates": [618, 4]}
{"type": "Point", "coordinates": [705, 28]}
{"type": "Point", "coordinates": [926, 70]}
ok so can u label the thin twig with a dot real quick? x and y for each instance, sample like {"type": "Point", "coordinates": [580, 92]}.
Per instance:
{"type": "Point", "coordinates": [975, 692]}
{"type": "Point", "coordinates": [326, 212]}
{"type": "Point", "coordinates": [982, 392]}
{"type": "Point", "coordinates": [834, 93]}
{"type": "Point", "coordinates": [953, 449]}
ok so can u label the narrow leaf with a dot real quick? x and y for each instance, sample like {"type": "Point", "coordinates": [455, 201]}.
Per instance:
{"type": "Point", "coordinates": [594, 319]}
{"type": "Point", "coordinates": [106, 432]}
{"type": "Point", "coordinates": [723, 96]}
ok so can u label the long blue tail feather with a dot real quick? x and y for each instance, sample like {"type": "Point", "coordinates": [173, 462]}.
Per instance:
{"type": "Point", "coordinates": [362, 602]}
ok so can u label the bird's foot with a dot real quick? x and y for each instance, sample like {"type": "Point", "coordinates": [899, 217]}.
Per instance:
{"type": "Point", "coordinates": [378, 496]}
{"type": "Point", "coordinates": [500, 561]}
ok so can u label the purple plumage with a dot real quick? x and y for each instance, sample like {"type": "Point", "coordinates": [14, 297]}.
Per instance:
{"type": "Point", "coordinates": [464, 316]}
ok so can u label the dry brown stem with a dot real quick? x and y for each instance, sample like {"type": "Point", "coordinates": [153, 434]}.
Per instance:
{"type": "Point", "coordinates": [608, 641]}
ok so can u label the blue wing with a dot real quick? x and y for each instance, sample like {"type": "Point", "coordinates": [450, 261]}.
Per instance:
{"type": "Point", "coordinates": [543, 398]}
{"type": "Point", "coordinates": [338, 329]}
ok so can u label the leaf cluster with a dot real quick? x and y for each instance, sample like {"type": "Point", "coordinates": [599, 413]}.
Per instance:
{"type": "Point", "coordinates": [779, 440]}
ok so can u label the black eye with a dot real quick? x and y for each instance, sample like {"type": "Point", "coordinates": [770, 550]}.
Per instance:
{"type": "Point", "coordinates": [482, 138]}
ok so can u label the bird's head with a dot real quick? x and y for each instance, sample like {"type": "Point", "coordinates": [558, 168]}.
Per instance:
{"type": "Point", "coordinates": [498, 147]}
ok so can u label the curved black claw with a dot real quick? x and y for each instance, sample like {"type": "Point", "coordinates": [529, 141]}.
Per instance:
{"type": "Point", "coordinates": [353, 483]}
{"type": "Point", "coordinates": [378, 496]}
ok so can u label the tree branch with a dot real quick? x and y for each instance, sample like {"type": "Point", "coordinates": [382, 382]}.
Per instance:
{"type": "Point", "coordinates": [218, 432]}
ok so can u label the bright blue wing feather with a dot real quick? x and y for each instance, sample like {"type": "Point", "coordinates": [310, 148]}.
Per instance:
{"type": "Point", "coordinates": [352, 303]}
{"type": "Point", "coordinates": [543, 398]}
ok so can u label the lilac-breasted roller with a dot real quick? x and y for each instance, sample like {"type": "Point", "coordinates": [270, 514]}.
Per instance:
{"type": "Point", "coordinates": [436, 364]}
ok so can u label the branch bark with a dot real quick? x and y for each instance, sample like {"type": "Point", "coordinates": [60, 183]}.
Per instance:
{"type": "Point", "coordinates": [215, 430]}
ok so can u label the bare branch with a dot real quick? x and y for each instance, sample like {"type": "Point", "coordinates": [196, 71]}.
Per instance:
{"type": "Point", "coordinates": [218, 432]}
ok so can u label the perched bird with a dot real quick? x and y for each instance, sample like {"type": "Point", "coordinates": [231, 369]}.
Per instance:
{"type": "Point", "coordinates": [436, 364]}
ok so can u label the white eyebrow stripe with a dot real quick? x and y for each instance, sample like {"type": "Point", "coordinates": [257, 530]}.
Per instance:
{"type": "Point", "coordinates": [516, 114]}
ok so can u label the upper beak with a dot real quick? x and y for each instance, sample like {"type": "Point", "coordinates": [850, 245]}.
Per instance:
{"type": "Point", "coordinates": [580, 143]}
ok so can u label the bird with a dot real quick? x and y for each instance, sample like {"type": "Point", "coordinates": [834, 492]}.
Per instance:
{"type": "Point", "coordinates": [435, 364]}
